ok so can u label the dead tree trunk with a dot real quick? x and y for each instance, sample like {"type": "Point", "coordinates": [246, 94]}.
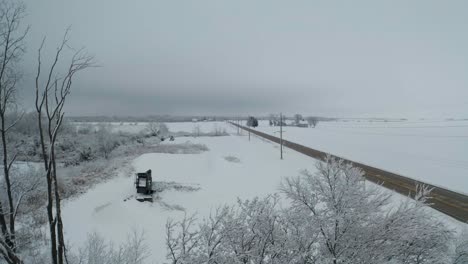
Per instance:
{"type": "Point", "coordinates": [50, 100]}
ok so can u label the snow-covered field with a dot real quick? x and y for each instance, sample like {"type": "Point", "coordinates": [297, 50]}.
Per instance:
{"type": "Point", "coordinates": [434, 151]}
{"type": "Point", "coordinates": [111, 210]}
{"type": "Point", "coordinates": [258, 172]}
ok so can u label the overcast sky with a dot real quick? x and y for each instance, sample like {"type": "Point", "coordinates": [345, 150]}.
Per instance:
{"type": "Point", "coordinates": [352, 58]}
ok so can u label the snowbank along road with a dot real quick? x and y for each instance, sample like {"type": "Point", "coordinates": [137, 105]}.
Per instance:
{"type": "Point", "coordinates": [446, 201]}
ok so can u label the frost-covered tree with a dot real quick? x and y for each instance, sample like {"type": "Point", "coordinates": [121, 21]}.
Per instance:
{"type": "Point", "coordinates": [106, 141]}
{"type": "Point", "coordinates": [273, 119]}
{"type": "Point", "coordinates": [247, 233]}
{"type": "Point", "coordinates": [156, 129]}
{"type": "Point", "coordinates": [355, 221]}
{"type": "Point", "coordinates": [182, 245]}
{"type": "Point", "coordinates": [297, 118]}
{"type": "Point", "coordinates": [98, 251]}
{"type": "Point", "coordinates": [11, 51]}
{"type": "Point", "coordinates": [331, 216]}
{"type": "Point", "coordinates": [460, 249]}
{"type": "Point", "coordinates": [252, 122]}
{"type": "Point", "coordinates": [312, 121]}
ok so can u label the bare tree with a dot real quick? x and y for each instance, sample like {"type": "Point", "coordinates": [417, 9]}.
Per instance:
{"type": "Point", "coordinates": [11, 51]}
{"type": "Point", "coordinates": [196, 131]}
{"type": "Point", "coordinates": [272, 119]}
{"type": "Point", "coordinates": [50, 100]}
{"type": "Point", "coordinates": [313, 121]}
{"type": "Point", "coordinates": [297, 118]}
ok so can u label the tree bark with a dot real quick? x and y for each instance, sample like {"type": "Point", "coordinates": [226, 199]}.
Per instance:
{"type": "Point", "coordinates": [6, 171]}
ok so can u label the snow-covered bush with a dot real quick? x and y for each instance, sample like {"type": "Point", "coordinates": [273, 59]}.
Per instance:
{"type": "Point", "coordinates": [217, 131]}
{"type": "Point", "coordinates": [85, 129]}
{"type": "Point", "coordinates": [29, 195]}
{"type": "Point", "coordinates": [28, 188]}
{"type": "Point", "coordinates": [253, 231]}
{"type": "Point", "coordinates": [67, 128]}
{"type": "Point", "coordinates": [106, 141]}
{"type": "Point", "coordinates": [85, 154]}
{"type": "Point", "coordinates": [27, 125]}
{"type": "Point", "coordinates": [98, 251]}
{"type": "Point", "coordinates": [332, 216]}
{"type": "Point", "coordinates": [156, 130]}
{"type": "Point", "coordinates": [460, 249]}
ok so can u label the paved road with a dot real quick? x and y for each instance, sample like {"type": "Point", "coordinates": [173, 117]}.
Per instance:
{"type": "Point", "coordinates": [448, 202]}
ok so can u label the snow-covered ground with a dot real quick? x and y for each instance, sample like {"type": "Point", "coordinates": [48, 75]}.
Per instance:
{"type": "Point", "coordinates": [258, 172]}
{"type": "Point", "coordinates": [110, 209]}
{"type": "Point", "coordinates": [434, 151]}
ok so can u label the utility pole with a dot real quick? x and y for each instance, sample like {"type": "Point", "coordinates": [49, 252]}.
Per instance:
{"type": "Point", "coordinates": [281, 134]}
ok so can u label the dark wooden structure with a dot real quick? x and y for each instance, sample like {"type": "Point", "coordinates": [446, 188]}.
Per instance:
{"type": "Point", "coordinates": [144, 182]}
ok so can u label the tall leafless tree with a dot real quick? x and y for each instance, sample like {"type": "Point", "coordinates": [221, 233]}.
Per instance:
{"type": "Point", "coordinates": [11, 51]}
{"type": "Point", "coordinates": [50, 100]}
{"type": "Point", "coordinates": [297, 118]}
{"type": "Point", "coordinates": [313, 121]}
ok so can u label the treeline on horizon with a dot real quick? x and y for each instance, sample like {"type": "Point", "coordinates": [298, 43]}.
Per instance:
{"type": "Point", "coordinates": [172, 118]}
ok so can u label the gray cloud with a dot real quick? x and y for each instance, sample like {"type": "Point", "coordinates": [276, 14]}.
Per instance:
{"type": "Point", "coordinates": [228, 57]}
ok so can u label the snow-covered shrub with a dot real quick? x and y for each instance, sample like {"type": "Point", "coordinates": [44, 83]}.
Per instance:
{"type": "Point", "coordinates": [460, 249]}
{"type": "Point", "coordinates": [98, 251]}
{"type": "Point", "coordinates": [197, 132]}
{"type": "Point", "coordinates": [85, 129]}
{"type": "Point", "coordinates": [66, 145]}
{"type": "Point", "coordinates": [67, 128]}
{"type": "Point", "coordinates": [27, 125]}
{"type": "Point", "coordinates": [185, 148]}
{"type": "Point", "coordinates": [106, 141]}
{"type": "Point", "coordinates": [156, 130]}
{"type": "Point", "coordinates": [254, 231]}
{"type": "Point", "coordinates": [28, 194]}
{"type": "Point", "coordinates": [218, 131]}
{"type": "Point", "coordinates": [85, 153]}
{"type": "Point", "coordinates": [28, 188]}
{"type": "Point", "coordinates": [332, 216]}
